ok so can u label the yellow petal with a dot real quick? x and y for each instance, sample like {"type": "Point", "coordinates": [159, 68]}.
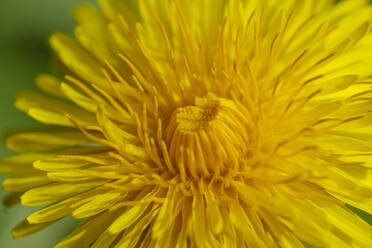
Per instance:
{"type": "Point", "coordinates": [114, 133]}
{"type": "Point", "coordinates": [45, 140]}
{"type": "Point", "coordinates": [15, 168]}
{"type": "Point", "coordinates": [99, 204]}
{"type": "Point", "coordinates": [105, 240]}
{"type": "Point", "coordinates": [214, 213]}
{"type": "Point", "coordinates": [111, 8]}
{"type": "Point", "coordinates": [335, 84]}
{"type": "Point", "coordinates": [129, 217]}
{"type": "Point", "coordinates": [21, 184]}
{"type": "Point", "coordinates": [238, 218]}
{"type": "Point", "coordinates": [88, 231]}
{"type": "Point", "coordinates": [199, 223]}
{"type": "Point", "coordinates": [80, 99]}
{"type": "Point", "coordinates": [161, 223]}
{"type": "Point", "coordinates": [50, 84]}
{"type": "Point", "coordinates": [92, 33]}
{"type": "Point", "coordinates": [52, 111]}
{"type": "Point", "coordinates": [55, 192]}
{"type": "Point", "coordinates": [60, 209]}
{"type": "Point", "coordinates": [68, 176]}
{"type": "Point", "coordinates": [58, 164]}
{"type": "Point", "coordinates": [77, 59]}
{"type": "Point", "coordinates": [133, 234]}
{"type": "Point", "coordinates": [24, 229]}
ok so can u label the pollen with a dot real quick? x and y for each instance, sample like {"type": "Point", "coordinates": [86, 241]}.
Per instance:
{"type": "Point", "coordinates": [209, 138]}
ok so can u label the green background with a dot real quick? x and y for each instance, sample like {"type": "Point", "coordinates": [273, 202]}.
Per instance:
{"type": "Point", "coordinates": [25, 26]}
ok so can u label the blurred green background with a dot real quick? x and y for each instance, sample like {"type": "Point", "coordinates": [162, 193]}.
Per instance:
{"type": "Point", "coordinates": [25, 26]}
{"type": "Point", "coordinates": [24, 52]}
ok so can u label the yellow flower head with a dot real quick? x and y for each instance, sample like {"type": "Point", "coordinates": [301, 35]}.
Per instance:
{"type": "Point", "coordinates": [203, 123]}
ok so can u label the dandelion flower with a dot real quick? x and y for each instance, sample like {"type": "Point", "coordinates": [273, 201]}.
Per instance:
{"type": "Point", "coordinates": [213, 123]}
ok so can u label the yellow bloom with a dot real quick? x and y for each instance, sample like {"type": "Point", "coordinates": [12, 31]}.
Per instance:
{"type": "Point", "coordinates": [203, 123]}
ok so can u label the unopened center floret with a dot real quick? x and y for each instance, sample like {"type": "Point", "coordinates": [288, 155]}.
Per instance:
{"type": "Point", "coordinates": [208, 138]}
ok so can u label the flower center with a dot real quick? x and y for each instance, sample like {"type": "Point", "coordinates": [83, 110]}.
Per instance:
{"type": "Point", "coordinates": [209, 138]}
